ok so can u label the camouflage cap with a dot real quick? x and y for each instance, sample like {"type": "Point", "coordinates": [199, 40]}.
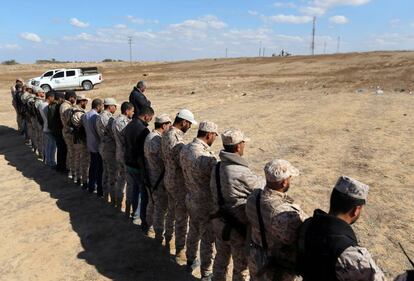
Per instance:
{"type": "Point", "coordinates": [233, 136]}
{"type": "Point", "coordinates": [208, 126]}
{"type": "Point", "coordinates": [38, 90]}
{"type": "Point", "coordinates": [110, 101]}
{"type": "Point", "coordinates": [82, 97]}
{"type": "Point", "coordinates": [278, 170]}
{"type": "Point", "coordinates": [28, 86]}
{"type": "Point", "coordinates": [163, 118]}
{"type": "Point", "coordinates": [19, 79]}
{"type": "Point", "coordinates": [352, 188]}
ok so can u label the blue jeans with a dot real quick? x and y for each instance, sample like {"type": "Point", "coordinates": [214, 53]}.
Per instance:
{"type": "Point", "coordinates": [49, 148]}
{"type": "Point", "coordinates": [139, 190]}
{"type": "Point", "coordinates": [95, 173]}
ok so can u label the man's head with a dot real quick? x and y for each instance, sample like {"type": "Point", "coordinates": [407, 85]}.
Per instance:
{"type": "Point", "coordinates": [347, 199]}
{"type": "Point", "coordinates": [142, 86]}
{"type": "Point", "coordinates": [28, 88]}
{"type": "Point", "coordinates": [162, 123]}
{"type": "Point", "coordinates": [97, 104]}
{"type": "Point", "coordinates": [39, 92]}
{"type": "Point", "coordinates": [127, 109]}
{"type": "Point", "coordinates": [184, 119]}
{"type": "Point", "coordinates": [50, 97]}
{"type": "Point", "coordinates": [208, 132]}
{"type": "Point", "coordinates": [19, 81]}
{"type": "Point", "coordinates": [234, 141]}
{"type": "Point", "coordinates": [146, 114]}
{"type": "Point", "coordinates": [59, 97]}
{"type": "Point", "coordinates": [70, 96]}
{"type": "Point", "coordinates": [279, 173]}
{"type": "Point", "coordinates": [110, 105]}
{"type": "Point", "coordinates": [82, 101]}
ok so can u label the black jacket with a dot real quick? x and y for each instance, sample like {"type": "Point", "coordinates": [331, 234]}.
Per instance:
{"type": "Point", "coordinates": [135, 133]}
{"type": "Point", "coordinates": [139, 100]}
{"type": "Point", "coordinates": [54, 122]}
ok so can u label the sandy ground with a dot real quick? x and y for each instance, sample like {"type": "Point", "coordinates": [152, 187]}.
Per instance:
{"type": "Point", "coordinates": [303, 109]}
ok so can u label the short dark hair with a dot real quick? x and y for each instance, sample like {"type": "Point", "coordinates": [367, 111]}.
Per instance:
{"type": "Point", "coordinates": [51, 94]}
{"type": "Point", "coordinates": [341, 203]}
{"type": "Point", "coordinates": [59, 95]}
{"type": "Point", "coordinates": [126, 106]}
{"type": "Point", "coordinates": [178, 120]}
{"type": "Point", "coordinates": [96, 103]}
{"type": "Point", "coordinates": [106, 106]}
{"type": "Point", "coordinates": [159, 125]}
{"type": "Point", "coordinates": [70, 94]}
{"type": "Point", "coordinates": [231, 148]}
{"type": "Point", "coordinates": [201, 134]}
{"type": "Point", "coordinates": [146, 110]}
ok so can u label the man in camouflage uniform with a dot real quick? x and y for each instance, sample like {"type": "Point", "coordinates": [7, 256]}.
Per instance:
{"type": "Point", "coordinates": [236, 182]}
{"type": "Point", "coordinates": [157, 214]}
{"type": "Point", "coordinates": [39, 99]}
{"type": "Point", "coordinates": [107, 148]}
{"type": "Point", "coordinates": [79, 139]}
{"type": "Point", "coordinates": [171, 144]}
{"type": "Point", "coordinates": [27, 126]}
{"type": "Point", "coordinates": [118, 126]}
{"type": "Point", "coordinates": [197, 160]}
{"type": "Point", "coordinates": [281, 220]}
{"type": "Point", "coordinates": [328, 247]}
{"type": "Point", "coordinates": [65, 111]}
{"type": "Point", "coordinates": [31, 118]}
{"type": "Point", "coordinates": [15, 90]}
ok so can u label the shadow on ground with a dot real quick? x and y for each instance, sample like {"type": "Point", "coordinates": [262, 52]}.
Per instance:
{"type": "Point", "coordinates": [114, 246]}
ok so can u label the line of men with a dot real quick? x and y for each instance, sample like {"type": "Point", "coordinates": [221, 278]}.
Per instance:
{"type": "Point", "coordinates": [214, 205]}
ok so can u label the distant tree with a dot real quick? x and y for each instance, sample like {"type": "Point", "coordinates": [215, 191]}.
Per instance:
{"type": "Point", "coordinates": [9, 62]}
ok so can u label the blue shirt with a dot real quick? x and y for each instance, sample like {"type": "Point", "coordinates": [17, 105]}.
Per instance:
{"type": "Point", "coordinates": [92, 137]}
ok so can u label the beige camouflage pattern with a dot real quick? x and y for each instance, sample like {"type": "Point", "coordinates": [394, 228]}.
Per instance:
{"type": "Point", "coordinates": [402, 277]}
{"type": "Point", "coordinates": [171, 145]}
{"type": "Point", "coordinates": [65, 111]}
{"type": "Point", "coordinates": [237, 182]}
{"type": "Point", "coordinates": [107, 149]}
{"type": "Point", "coordinates": [39, 128]}
{"type": "Point", "coordinates": [278, 170]}
{"type": "Point", "coordinates": [157, 211]}
{"type": "Point", "coordinates": [197, 161]}
{"type": "Point", "coordinates": [282, 220]}
{"type": "Point", "coordinates": [233, 136]}
{"type": "Point", "coordinates": [356, 264]}
{"type": "Point", "coordinates": [81, 150]}
{"type": "Point", "coordinates": [352, 187]}
{"type": "Point", "coordinates": [118, 126]}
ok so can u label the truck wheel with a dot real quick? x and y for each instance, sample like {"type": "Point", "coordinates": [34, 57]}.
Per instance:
{"type": "Point", "coordinates": [87, 85]}
{"type": "Point", "coordinates": [46, 88]}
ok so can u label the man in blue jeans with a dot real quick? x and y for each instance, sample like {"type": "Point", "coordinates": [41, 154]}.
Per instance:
{"type": "Point", "coordinates": [92, 142]}
{"type": "Point", "coordinates": [135, 133]}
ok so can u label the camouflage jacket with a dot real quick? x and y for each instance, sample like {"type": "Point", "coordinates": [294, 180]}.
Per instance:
{"type": "Point", "coordinates": [197, 161]}
{"type": "Point", "coordinates": [237, 182]}
{"type": "Point", "coordinates": [356, 264]}
{"type": "Point", "coordinates": [171, 144]}
{"type": "Point", "coordinates": [118, 126]}
{"type": "Point", "coordinates": [65, 112]}
{"type": "Point", "coordinates": [153, 160]}
{"type": "Point", "coordinates": [104, 128]}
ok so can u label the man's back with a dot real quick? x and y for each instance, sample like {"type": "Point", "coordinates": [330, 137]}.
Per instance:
{"type": "Point", "coordinates": [135, 133]}
{"type": "Point", "coordinates": [92, 137]}
{"type": "Point", "coordinates": [118, 127]}
{"type": "Point", "coordinates": [153, 159]}
{"type": "Point", "coordinates": [139, 100]}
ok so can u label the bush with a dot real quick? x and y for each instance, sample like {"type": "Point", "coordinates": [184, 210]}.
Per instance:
{"type": "Point", "coordinates": [9, 62]}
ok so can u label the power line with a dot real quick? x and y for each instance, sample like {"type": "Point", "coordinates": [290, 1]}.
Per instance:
{"type": "Point", "coordinates": [313, 36]}
{"type": "Point", "coordinates": [130, 48]}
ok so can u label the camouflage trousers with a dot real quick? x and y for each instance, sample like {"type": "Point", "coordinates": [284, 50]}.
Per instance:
{"type": "Point", "coordinates": [234, 248]}
{"type": "Point", "coordinates": [177, 207]}
{"type": "Point", "coordinates": [122, 182]}
{"type": "Point", "coordinates": [159, 216]}
{"type": "Point", "coordinates": [200, 229]}
{"type": "Point", "coordinates": [39, 139]}
{"type": "Point", "coordinates": [33, 130]}
{"type": "Point", "coordinates": [109, 174]}
{"type": "Point", "coordinates": [81, 161]}
{"type": "Point", "coordinates": [70, 159]}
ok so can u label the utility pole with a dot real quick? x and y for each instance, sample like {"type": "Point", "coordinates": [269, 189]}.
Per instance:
{"type": "Point", "coordinates": [313, 37]}
{"type": "Point", "coordinates": [264, 49]}
{"type": "Point", "coordinates": [226, 52]}
{"type": "Point", "coordinates": [130, 48]}
{"type": "Point", "coordinates": [338, 44]}
{"type": "Point", "coordinates": [260, 49]}
{"type": "Point", "coordinates": [324, 47]}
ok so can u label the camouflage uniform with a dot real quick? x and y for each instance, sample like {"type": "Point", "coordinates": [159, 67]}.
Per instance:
{"type": "Point", "coordinates": [32, 120]}
{"type": "Point", "coordinates": [65, 111]}
{"type": "Point", "coordinates": [39, 128]}
{"type": "Point", "coordinates": [402, 277]}
{"type": "Point", "coordinates": [237, 182]}
{"type": "Point", "coordinates": [171, 145]}
{"type": "Point", "coordinates": [197, 161]}
{"type": "Point", "coordinates": [157, 213]}
{"type": "Point", "coordinates": [26, 96]}
{"type": "Point", "coordinates": [81, 151]}
{"type": "Point", "coordinates": [107, 149]}
{"type": "Point", "coordinates": [118, 125]}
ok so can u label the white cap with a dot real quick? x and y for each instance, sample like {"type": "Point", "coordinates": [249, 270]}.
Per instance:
{"type": "Point", "coordinates": [187, 115]}
{"type": "Point", "coordinates": [110, 101]}
{"type": "Point", "coordinates": [38, 90]}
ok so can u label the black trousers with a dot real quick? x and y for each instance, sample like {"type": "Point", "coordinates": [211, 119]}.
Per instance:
{"type": "Point", "coordinates": [95, 173]}
{"type": "Point", "coordinates": [61, 153]}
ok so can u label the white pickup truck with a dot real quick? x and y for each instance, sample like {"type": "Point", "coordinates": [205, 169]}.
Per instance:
{"type": "Point", "coordinates": [44, 77]}
{"type": "Point", "coordinates": [72, 79]}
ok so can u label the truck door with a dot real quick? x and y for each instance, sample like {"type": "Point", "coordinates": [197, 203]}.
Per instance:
{"type": "Point", "coordinates": [58, 80]}
{"type": "Point", "coordinates": [71, 81]}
